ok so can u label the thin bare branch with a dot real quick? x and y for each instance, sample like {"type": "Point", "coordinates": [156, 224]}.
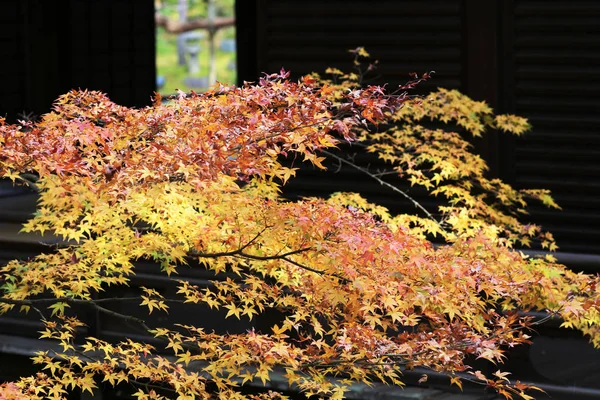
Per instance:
{"type": "Point", "coordinates": [384, 183]}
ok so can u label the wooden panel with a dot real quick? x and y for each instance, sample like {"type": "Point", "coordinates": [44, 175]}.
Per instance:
{"type": "Point", "coordinates": [11, 48]}
{"type": "Point", "coordinates": [404, 36]}
{"type": "Point", "coordinates": [57, 46]}
{"type": "Point", "coordinates": [557, 85]}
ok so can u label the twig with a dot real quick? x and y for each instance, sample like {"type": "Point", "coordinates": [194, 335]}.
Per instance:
{"type": "Point", "coordinates": [384, 183]}
{"type": "Point", "coordinates": [297, 264]}
{"type": "Point", "coordinates": [32, 185]}
{"type": "Point", "coordinates": [240, 253]}
{"type": "Point", "coordinates": [89, 303]}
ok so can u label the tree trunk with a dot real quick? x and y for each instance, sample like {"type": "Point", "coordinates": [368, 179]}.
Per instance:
{"type": "Point", "coordinates": [182, 9]}
{"type": "Point", "coordinates": [212, 62]}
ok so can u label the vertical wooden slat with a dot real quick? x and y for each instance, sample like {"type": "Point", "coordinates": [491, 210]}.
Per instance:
{"type": "Point", "coordinates": [78, 43]}
{"type": "Point", "coordinates": [100, 28]}
{"type": "Point", "coordinates": [262, 32]}
{"type": "Point", "coordinates": [122, 57]}
{"type": "Point", "coordinates": [481, 69]}
{"type": "Point", "coordinates": [481, 24]}
{"type": "Point", "coordinates": [13, 74]}
{"type": "Point", "coordinates": [144, 53]}
{"type": "Point", "coordinates": [506, 88]}
{"type": "Point", "coordinates": [246, 32]}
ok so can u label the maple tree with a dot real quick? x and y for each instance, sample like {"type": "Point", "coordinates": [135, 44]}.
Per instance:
{"type": "Point", "coordinates": [362, 294]}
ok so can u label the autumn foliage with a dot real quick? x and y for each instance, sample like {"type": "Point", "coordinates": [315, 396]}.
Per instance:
{"type": "Point", "coordinates": [362, 295]}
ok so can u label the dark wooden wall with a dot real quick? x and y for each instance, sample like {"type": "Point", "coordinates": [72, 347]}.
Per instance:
{"type": "Point", "coordinates": [51, 47]}
{"type": "Point", "coordinates": [46, 49]}
{"type": "Point", "coordinates": [556, 83]}
{"type": "Point", "coordinates": [534, 58]}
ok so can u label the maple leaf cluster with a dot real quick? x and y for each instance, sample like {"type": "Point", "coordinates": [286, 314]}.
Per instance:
{"type": "Point", "coordinates": [195, 182]}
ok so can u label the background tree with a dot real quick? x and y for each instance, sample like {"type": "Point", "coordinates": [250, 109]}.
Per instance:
{"type": "Point", "coordinates": [361, 294]}
{"type": "Point", "coordinates": [199, 18]}
{"type": "Point", "coordinates": [177, 17]}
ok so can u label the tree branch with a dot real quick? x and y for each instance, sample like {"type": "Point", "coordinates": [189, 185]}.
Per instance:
{"type": "Point", "coordinates": [173, 26]}
{"type": "Point", "coordinates": [89, 303]}
{"type": "Point", "coordinates": [240, 253]}
{"type": "Point", "coordinates": [29, 180]}
{"type": "Point", "coordinates": [297, 264]}
{"type": "Point", "coordinates": [384, 183]}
